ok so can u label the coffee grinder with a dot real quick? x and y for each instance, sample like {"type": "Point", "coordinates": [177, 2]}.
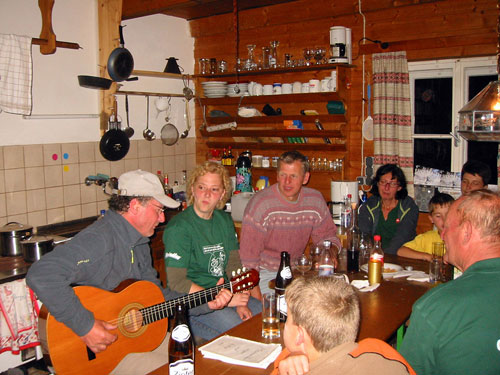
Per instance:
{"type": "Point", "coordinates": [340, 45]}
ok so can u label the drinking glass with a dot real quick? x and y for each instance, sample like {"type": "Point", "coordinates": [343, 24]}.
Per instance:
{"type": "Point", "coordinates": [270, 316]}
{"type": "Point", "coordinates": [303, 263]}
{"type": "Point", "coordinates": [250, 62]}
{"type": "Point", "coordinates": [319, 54]}
{"type": "Point", "coordinates": [308, 55]}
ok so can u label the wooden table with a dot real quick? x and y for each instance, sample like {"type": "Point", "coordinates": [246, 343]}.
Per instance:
{"type": "Point", "coordinates": [383, 311]}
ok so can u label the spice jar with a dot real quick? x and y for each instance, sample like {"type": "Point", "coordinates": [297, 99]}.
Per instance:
{"type": "Point", "coordinates": [275, 162]}
{"type": "Point", "coordinates": [265, 162]}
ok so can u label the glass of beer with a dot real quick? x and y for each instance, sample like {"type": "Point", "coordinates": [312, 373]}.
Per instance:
{"type": "Point", "coordinates": [270, 316]}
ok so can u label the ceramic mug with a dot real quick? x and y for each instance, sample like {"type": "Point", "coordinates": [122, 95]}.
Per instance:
{"type": "Point", "coordinates": [326, 84]}
{"type": "Point", "coordinates": [251, 85]}
{"type": "Point", "coordinates": [305, 87]}
{"type": "Point", "coordinates": [257, 89]}
{"type": "Point", "coordinates": [277, 89]}
{"type": "Point", "coordinates": [268, 89]}
{"type": "Point", "coordinates": [314, 85]}
{"type": "Point", "coordinates": [297, 87]}
{"type": "Point", "coordinates": [287, 88]}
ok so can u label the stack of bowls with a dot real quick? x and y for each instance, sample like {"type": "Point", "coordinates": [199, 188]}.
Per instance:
{"type": "Point", "coordinates": [214, 89]}
{"type": "Point", "coordinates": [243, 86]}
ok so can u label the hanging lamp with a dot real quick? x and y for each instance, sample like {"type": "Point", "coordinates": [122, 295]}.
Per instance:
{"type": "Point", "coordinates": [479, 119]}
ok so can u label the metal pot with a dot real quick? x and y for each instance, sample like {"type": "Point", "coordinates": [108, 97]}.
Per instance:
{"type": "Point", "coordinates": [34, 247]}
{"type": "Point", "coordinates": [11, 235]}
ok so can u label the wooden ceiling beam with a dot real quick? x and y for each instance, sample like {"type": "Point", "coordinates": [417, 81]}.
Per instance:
{"type": "Point", "coordinates": [191, 9]}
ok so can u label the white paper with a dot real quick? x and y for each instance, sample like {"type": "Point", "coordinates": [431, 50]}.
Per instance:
{"type": "Point", "coordinates": [240, 351]}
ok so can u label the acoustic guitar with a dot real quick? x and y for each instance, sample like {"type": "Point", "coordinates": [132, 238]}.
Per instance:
{"type": "Point", "coordinates": [139, 311]}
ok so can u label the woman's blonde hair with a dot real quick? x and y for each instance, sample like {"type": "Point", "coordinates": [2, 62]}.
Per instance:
{"type": "Point", "coordinates": [203, 169]}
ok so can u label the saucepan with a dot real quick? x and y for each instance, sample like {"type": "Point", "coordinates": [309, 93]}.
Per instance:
{"type": "Point", "coordinates": [34, 247]}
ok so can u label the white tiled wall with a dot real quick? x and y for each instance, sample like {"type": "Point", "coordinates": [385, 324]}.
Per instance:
{"type": "Point", "coordinates": [44, 184]}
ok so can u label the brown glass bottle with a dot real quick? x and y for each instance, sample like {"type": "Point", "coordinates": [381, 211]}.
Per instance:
{"type": "Point", "coordinates": [180, 345]}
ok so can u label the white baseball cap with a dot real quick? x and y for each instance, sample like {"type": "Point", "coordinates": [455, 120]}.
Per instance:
{"type": "Point", "coordinates": [144, 184]}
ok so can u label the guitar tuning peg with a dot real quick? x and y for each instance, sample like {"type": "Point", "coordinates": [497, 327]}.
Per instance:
{"type": "Point", "coordinates": [244, 269]}
{"type": "Point", "coordinates": [239, 271]}
{"type": "Point", "coordinates": [233, 274]}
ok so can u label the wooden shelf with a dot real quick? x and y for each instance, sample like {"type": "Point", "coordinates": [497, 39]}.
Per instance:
{"type": "Point", "coordinates": [277, 146]}
{"type": "Point", "coordinates": [272, 133]}
{"type": "Point", "coordinates": [274, 71]}
{"type": "Point", "coordinates": [337, 119]}
{"type": "Point", "coordinates": [147, 73]}
{"type": "Point", "coordinates": [284, 98]}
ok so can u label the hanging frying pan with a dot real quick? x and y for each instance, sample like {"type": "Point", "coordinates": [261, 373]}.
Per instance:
{"type": "Point", "coordinates": [92, 82]}
{"type": "Point", "coordinates": [115, 143]}
{"type": "Point", "coordinates": [120, 61]}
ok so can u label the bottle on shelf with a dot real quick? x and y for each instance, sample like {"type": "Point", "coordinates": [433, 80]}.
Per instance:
{"type": "Point", "coordinates": [326, 265]}
{"type": "Point", "coordinates": [160, 177]}
{"type": "Point", "coordinates": [283, 278]}
{"type": "Point", "coordinates": [376, 262]}
{"type": "Point", "coordinates": [230, 157]}
{"type": "Point", "coordinates": [243, 172]}
{"type": "Point", "coordinates": [224, 157]}
{"type": "Point", "coordinates": [180, 345]}
{"type": "Point", "coordinates": [166, 186]}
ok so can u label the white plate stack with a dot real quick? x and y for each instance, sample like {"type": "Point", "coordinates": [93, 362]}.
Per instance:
{"type": "Point", "coordinates": [243, 86]}
{"type": "Point", "coordinates": [214, 89]}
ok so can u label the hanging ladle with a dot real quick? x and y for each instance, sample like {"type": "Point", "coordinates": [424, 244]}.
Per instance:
{"type": "Point", "coordinates": [188, 122]}
{"type": "Point", "coordinates": [148, 134]}
{"type": "Point", "coordinates": [128, 130]}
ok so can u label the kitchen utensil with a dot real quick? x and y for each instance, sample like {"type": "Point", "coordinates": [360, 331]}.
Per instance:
{"type": "Point", "coordinates": [169, 133]}
{"type": "Point", "coordinates": [188, 120]}
{"type": "Point", "coordinates": [128, 130]}
{"type": "Point", "coordinates": [35, 246]}
{"type": "Point", "coordinates": [114, 144]}
{"type": "Point", "coordinates": [120, 61]}
{"type": "Point", "coordinates": [92, 82]}
{"type": "Point", "coordinates": [172, 66]}
{"type": "Point", "coordinates": [367, 128]}
{"type": "Point", "coordinates": [11, 235]}
{"type": "Point", "coordinates": [188, 93]}
{"type": "Point", "coordinates": [148, 134]}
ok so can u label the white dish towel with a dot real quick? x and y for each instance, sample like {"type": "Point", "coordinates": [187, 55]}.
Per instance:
{"type": "Point", "coordinates": [15, 74]}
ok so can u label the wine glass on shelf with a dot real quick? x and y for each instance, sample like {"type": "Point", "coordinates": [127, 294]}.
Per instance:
{"type": "Point", "coordinates": [308, 55]}
{"type": "Point", "coordinates": [319, 54]}
{"type": "Point", "coordinates": [303, 263]}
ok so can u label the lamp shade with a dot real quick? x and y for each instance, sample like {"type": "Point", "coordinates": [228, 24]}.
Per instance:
{"type": "Point", "coordinates": [479, 120]}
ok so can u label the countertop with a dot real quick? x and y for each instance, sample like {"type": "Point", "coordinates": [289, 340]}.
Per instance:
{"type": "Point", "coordinates": [13, 268]}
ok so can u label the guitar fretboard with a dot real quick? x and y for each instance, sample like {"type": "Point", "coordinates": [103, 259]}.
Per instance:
{"type": "Point", "coordinates": [166, 309]}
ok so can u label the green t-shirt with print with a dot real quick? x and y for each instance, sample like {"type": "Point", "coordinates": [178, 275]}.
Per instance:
{"type": "Point", "coordinates": [201, 246]}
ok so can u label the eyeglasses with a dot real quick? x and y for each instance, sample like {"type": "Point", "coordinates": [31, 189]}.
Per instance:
{"type": "Point", "coordinates": [392, 184]}
{"type": "Point", "coordinates": [159, 209]}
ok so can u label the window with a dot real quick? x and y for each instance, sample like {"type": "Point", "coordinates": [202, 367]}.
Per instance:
{"type": "Point", "coordinates": [438, 90]}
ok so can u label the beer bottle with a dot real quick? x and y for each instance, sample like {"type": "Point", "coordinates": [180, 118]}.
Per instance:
{"type": "Point", "coordinates": [180, 345]}
{"type": "Point", "coordinates": [376, 262]}
{"type": "Point", "coordinates": [283, 279]}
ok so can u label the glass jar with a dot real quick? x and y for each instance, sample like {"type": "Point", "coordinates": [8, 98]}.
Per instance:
{"type": "Point", "coordinates": [275, 162]}
{"type": "Point", "coordinates": [265, 162]}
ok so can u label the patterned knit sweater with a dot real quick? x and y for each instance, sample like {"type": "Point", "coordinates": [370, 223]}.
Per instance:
{"type": "Point", "coordinates": [272, 224]}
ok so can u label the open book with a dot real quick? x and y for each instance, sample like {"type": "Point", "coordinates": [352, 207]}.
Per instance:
{"type": "Point", "coordinates": [240, 351]}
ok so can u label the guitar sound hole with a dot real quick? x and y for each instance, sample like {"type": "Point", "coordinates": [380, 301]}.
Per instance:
{"type": "Point", "coordinates": [132, 321]}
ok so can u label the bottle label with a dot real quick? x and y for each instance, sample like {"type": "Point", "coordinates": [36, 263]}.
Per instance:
{"type": "Point", "coordinates": [181, 367]}
{"type": "Point", "coordinates": [377, 258]}
{"type": "Point", "coordinates": [243, 179]}
{"type": "Point", "coordinates": [282, 304]}
{"type": "Point", "coordinates": [181, 333]}
{"type": "Point", "coordinates": [286, 273]}
{"type": "Point", "coordinates": [326, 270]}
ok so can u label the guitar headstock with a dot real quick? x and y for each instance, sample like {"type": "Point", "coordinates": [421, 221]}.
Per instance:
{"type": "Point", "coordinates": [244, 280]}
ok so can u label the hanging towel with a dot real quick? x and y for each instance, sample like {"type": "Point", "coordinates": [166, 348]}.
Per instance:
{"type": "Point", "coordinates": [18, 317]}
{"type": "Point", "coordinates": [15, 74]}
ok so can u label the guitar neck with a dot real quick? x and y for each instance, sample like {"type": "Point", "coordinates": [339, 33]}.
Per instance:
{"type": "Point", "coordinates": [166, 309]}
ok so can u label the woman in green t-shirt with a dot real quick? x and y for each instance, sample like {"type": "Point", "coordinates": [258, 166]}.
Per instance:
{"type": "Point", "coordinates": [201, 247]}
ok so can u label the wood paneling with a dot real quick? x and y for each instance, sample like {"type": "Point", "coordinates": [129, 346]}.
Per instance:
{"type": "Point", "coordinates": [426, 29]}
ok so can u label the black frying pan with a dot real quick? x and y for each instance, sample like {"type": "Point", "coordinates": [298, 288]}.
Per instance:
{"type": "Point", "coordinates": [115, 143]}
{"type": "Point", "coordinates": [92, 82]}
{"type": "Point", "coordinates": [120, 61]}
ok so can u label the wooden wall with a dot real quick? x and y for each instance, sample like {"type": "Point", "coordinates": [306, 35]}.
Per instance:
{"type": "Point", "coordinates": [426, 29]}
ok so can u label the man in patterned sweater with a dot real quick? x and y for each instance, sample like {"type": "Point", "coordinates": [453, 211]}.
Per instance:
{"type": "Point", "coordinates": [284, 217]}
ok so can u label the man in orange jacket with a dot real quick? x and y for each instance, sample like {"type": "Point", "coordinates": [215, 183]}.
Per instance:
{"type": "Point", "coordinates": [320, 333]}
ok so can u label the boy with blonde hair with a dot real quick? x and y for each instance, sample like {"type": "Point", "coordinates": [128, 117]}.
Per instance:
{"type": "Point", "coordinates": [320, 334]}
{"type": "Point", "coordinates": [421, 246]}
